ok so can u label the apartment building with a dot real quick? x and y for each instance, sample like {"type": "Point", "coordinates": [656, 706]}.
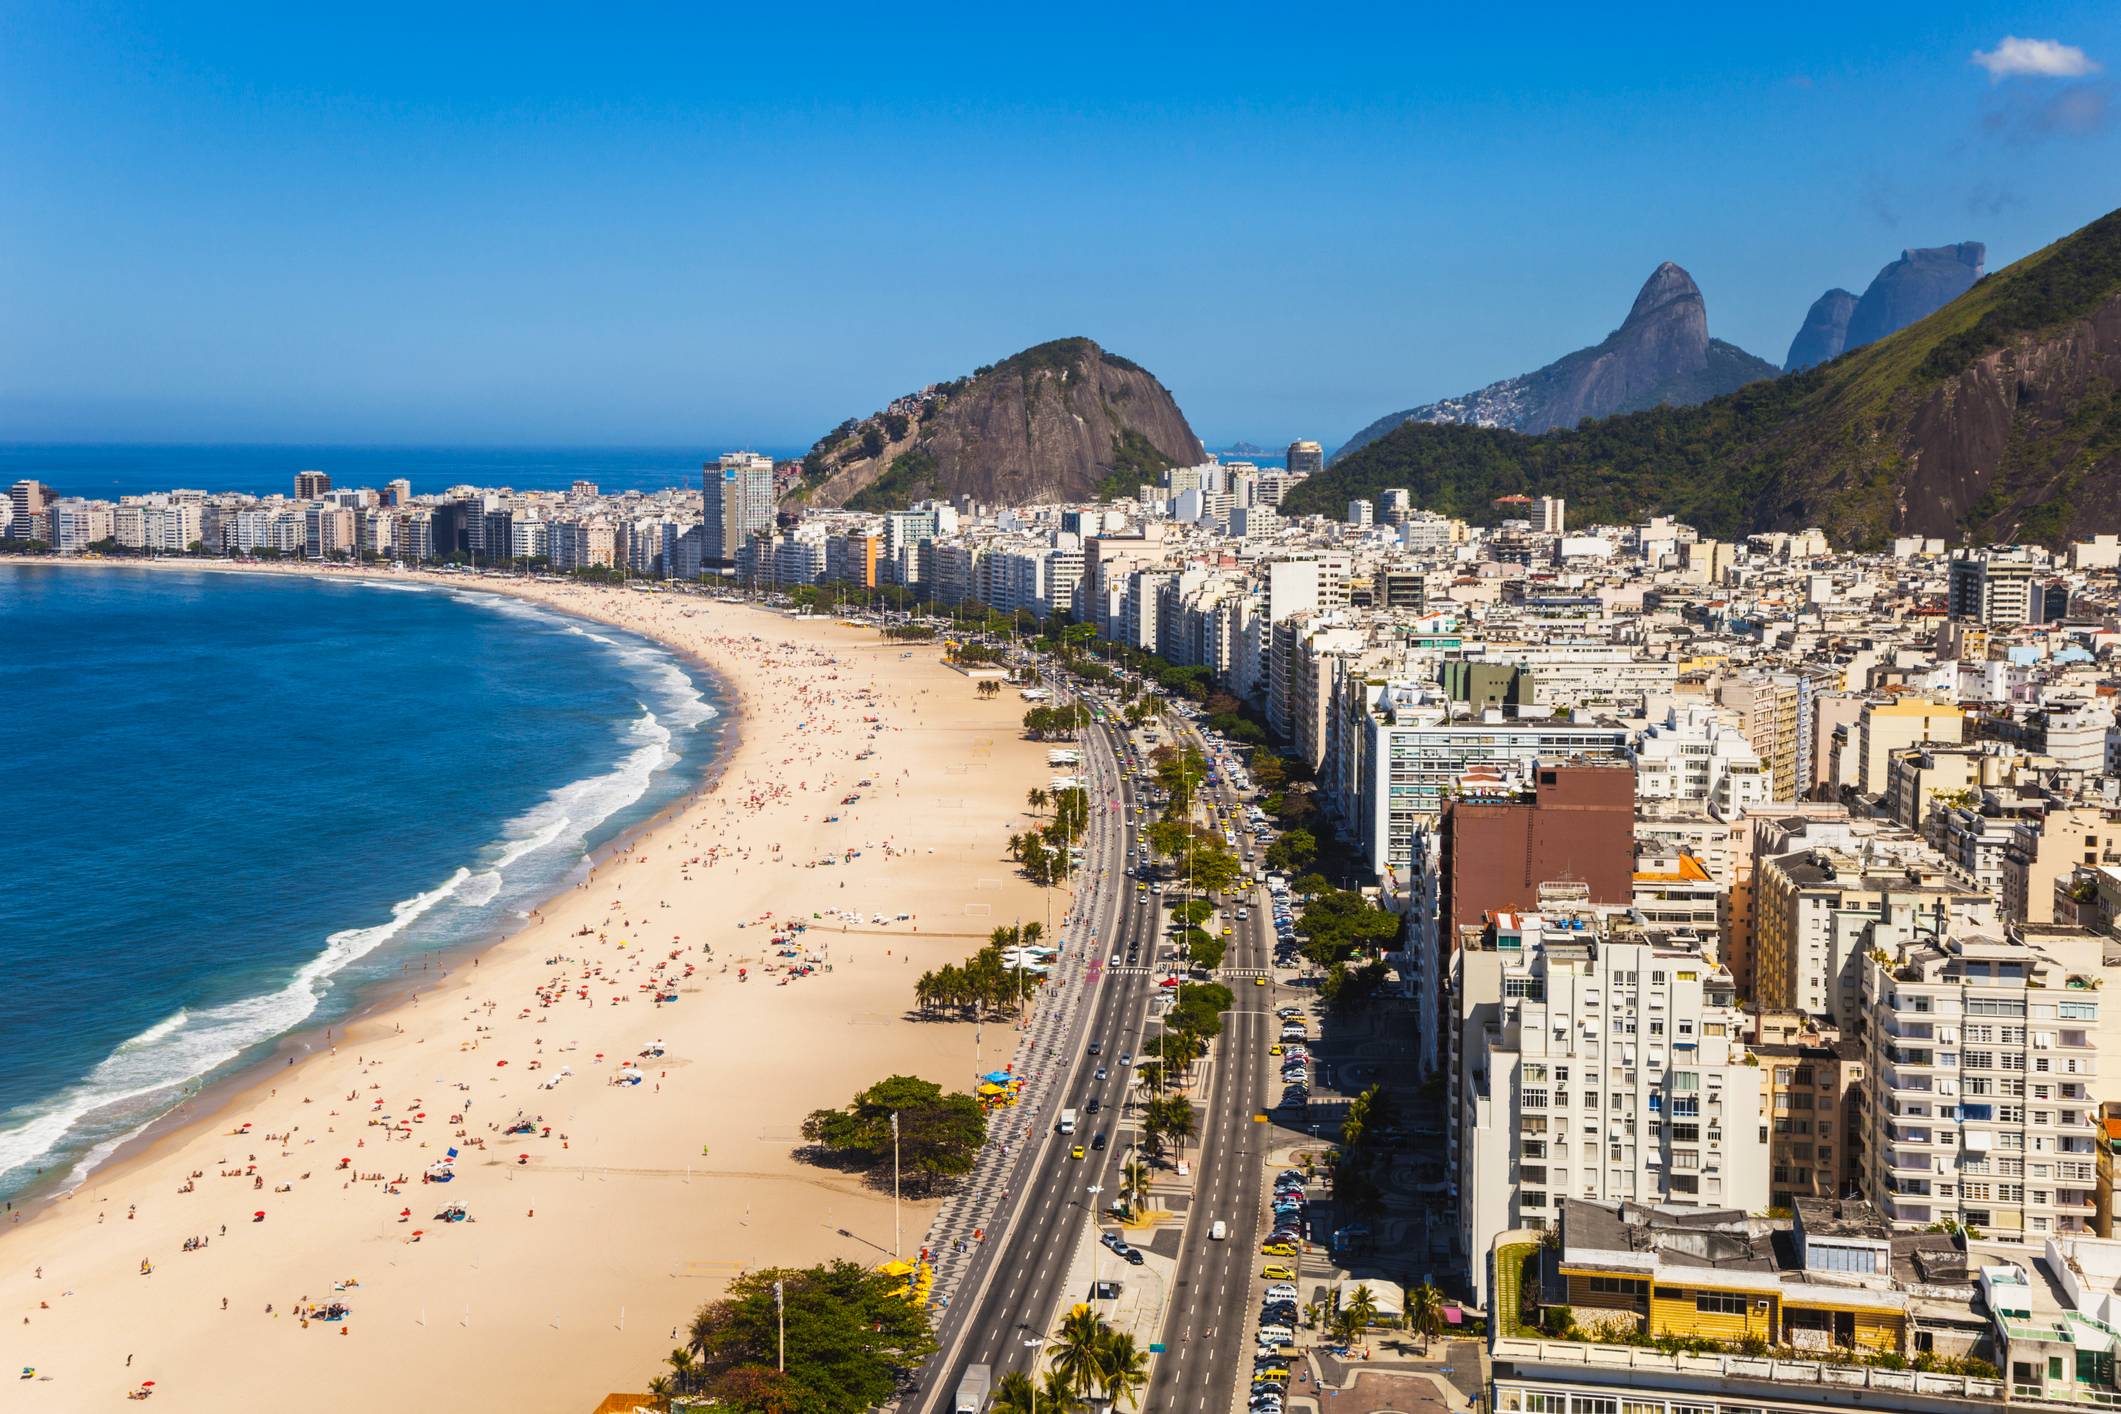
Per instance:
{"type": "Point", "coordinates": [1840, 893]}
{"type": "Point", "coordinates": [736, 500]}
{"type": "Point", "coordinates": [1979, 1106]}
{"type": "Point", "coordinates": [1415, 749]}
{"type": "Point", "coordinates": [1993, 587]}
{"type": "Point", "coordinates": [1594, 1059]}
{"type": "Point", "coordinates": [1695, 755]}
{"type": "Point", "coordinates": [1815, 1137]}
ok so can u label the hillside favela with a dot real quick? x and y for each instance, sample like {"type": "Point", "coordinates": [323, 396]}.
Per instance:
{"type": "Point", "coordinates": [1127, 874]}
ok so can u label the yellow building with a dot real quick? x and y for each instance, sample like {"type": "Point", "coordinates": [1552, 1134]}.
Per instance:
{"type": "Point", "coordinates": [1627, 1270]}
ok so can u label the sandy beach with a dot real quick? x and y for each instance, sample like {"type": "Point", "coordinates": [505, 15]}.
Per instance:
{"type": "Point", "coordinates": [626, 1205]}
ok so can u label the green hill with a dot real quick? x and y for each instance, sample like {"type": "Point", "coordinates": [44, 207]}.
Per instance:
{"type": "Point", "coordinates": [1996, 418]}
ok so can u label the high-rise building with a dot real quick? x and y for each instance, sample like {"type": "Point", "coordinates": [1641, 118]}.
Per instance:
{"type": "Point", "coordinates": [1305, 459]}
{"type": "Point", "coordinates": [737, 497]}
{"type": "Point", "coordinates": [1548, 515]}
{"type": "Point", "coordinates": [1361, 514]}
{"type": "Point", "coordinates": [1593, 1058]}
{"type": "Point", "coordinates": [29, 498]}
{"type": "Point", "coordinates": [1994, 587]}
{"type": "Point", "coordinates": [400, 492]}
{"type": "Point", "coordinates": [1979, 1099]}
{"type": "Point", "coordinates": [311, 485]}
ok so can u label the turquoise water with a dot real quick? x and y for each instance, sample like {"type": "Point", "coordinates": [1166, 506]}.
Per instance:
{"type": "Point", "coordinates": [231, 802]}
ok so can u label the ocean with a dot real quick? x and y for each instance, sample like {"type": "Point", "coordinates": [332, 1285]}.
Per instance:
{"type": "Point", "coordinates": [234, 805]}
{"type": "Point", "coordinates": [108, 471]}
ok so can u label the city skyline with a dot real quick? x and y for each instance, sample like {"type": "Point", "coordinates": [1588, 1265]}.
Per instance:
{"type": "Point", "coordinates": [570, 237]}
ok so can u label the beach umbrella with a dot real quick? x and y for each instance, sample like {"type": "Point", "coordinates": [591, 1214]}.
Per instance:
{"type": "Point", "coordinates": [259, 1216]}
{"type": "Point", "coordinates": [147, 1384]}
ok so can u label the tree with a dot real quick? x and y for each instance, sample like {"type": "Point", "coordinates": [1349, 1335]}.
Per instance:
{"type": "Point", "coordinates": [1124, 1370]}
{"type": "Point", "coordinates": [1425, 1313]}
{"type": "Point", "coordinates": [1293, 852]}
{"type": "Point", "coordinates": [1205, 952]}
{"type": "Point", "coordinates": [1078, 1349]}
{"type": "Point", "coordinates": [1134, 1184]}
{"type": "Point", "coordinates": [1015, 1394]}
{"type": "Point", "coordinates": [849, 1334]}
{"type": "Point", "coordinates": [1055, 1394]}
{"type": "Point", "coordinates": [939, 1135]}
{"type": "Point", "coordinates": [1167, 1119]}
{"type": "Point", "coordinates": [1361, 1307]}
{"type": "Point", "coordinates": [1340, 924]}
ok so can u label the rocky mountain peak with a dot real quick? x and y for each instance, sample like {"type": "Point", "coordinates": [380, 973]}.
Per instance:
{"type": "Point", "coordinates": [1917, 285]}
{"type": "Point", "coordinates": [1660, 354]}
{"type": "Point", "coordinates": [1669, 292]}
{"type": "Point", "coordinates": [1825, 332]}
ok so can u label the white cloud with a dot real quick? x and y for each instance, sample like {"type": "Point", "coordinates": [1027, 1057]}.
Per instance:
{"type": "Point", "coordinates": [2035, 58]}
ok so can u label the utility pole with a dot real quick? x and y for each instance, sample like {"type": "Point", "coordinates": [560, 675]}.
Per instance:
{"type": "Point", "coordinates": [780, 1316]}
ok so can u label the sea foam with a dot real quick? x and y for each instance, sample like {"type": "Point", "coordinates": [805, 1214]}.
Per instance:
{"type": "Point", "coordinates": [145, 1076]}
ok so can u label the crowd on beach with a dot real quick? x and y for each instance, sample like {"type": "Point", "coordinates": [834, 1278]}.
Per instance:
{"type": "Point", "coordinates": [501, 1094]}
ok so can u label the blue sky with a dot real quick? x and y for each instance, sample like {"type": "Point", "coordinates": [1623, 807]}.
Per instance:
{"type": "Point", "coordinates": [525, 224]}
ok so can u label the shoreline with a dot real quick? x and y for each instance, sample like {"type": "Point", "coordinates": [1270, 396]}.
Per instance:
{"type": "Point", "coordinates": [217, 1092]}
{"type": "Point", "coordinates": [752, 1061]}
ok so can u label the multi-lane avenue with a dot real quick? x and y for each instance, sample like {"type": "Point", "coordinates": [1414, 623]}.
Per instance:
{"type": "Point", "coordinates": [1012, 1294]}
{"type": "Point", "coordinates": [1013, 1288]}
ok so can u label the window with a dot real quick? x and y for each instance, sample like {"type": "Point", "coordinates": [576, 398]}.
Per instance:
{"type": "Point", "coordinates": [1720, 1303]}
{"type": "Point", "coordinates": [1615, 1286]}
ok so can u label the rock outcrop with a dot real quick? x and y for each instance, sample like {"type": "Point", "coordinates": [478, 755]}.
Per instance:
{"type": "Point", "coordinates": [1915, 286]}
{"type": "Point", "coordinates": [1062, 421]}
{"type": "Point", "coordinates": [1825, 333]}
{"type": "Point", "coordinates": [1661, 354]}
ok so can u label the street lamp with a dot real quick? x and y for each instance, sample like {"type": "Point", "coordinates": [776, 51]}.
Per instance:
{"type": "Point", "coordinates": [1032, 1343]}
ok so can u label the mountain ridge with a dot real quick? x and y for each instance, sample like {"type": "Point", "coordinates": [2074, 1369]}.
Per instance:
{"type": "Point", "coordinates": [1661, 353]}
{"type": "Point", "coordinates": [1997, 417]}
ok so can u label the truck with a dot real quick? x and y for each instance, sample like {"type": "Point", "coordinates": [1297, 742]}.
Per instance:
{"type": "Point", "coordinates": [973, 1389]}
{"type": "Point", "coordinates": [1067, 1122]}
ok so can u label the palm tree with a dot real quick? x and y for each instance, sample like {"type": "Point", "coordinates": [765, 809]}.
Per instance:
{"type": "Point", "coordinates": [704, 1328]}
{"type": "Point", "coordinates": [1036, 798]}
{"type": "Point", "coordinates": [1054, 1394]}
{"type": "Point", "coordinates": [660, 1389]}
{"type": "Point", "coordinates": [1425, 1313]}
{"type": "Point", "coordinates": [1361, 1308]}
{"type": "Point", "coordinates": [685, 1372]}
{"type": "Point", "coordinates": [1079, 1348]}
{"type": "Point", "coordinates": [1168, 1117]}
{"type": "Point", "coordinates": [1134, 1183]}
{"type": "Point", "coordinates": [1015, 1394]}
{"type": "Point", "coordinates": [1125, 1371]}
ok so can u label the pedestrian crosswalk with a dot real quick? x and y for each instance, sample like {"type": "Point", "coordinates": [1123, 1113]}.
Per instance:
{"type": "Point", "coordinates": [1246, 972]}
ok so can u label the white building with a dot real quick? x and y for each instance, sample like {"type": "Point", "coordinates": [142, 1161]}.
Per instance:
{"type": "Point", "coordinates": [1593, 1059]}
{"type": "Point", "coordinates": [1979, 1095]}
{"type": "Point", "coordinates": [1695, 755]}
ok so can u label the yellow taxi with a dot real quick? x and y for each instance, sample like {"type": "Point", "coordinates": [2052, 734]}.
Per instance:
{"type": "Point", "coordinates": [1259, 982]}
{"type": "Point", "coordinates": [1273, 1050]}
{"type": "Point", "coordinates": [1076, 1152]}
{"type": "Point", "coordinates": [1278, 1249]}
{"type": "Point", "coordinates": [1277, 1271]}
